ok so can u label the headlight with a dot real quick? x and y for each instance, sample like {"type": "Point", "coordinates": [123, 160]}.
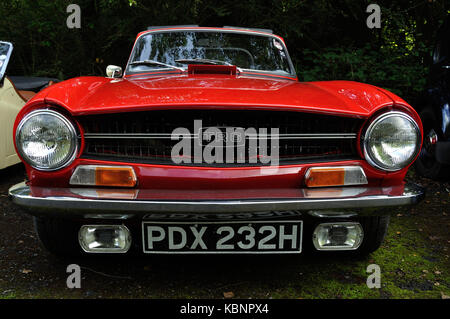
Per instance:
{"type": "Point", "coordinates": [392, 141]}
{"type": "Point", "coordinates": [46, 140]}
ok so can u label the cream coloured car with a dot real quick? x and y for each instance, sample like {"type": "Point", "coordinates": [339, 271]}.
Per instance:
{"type": "Point", "coordinates": [15, 91]}
{"type": "Point", "coordinates": [10, 104]}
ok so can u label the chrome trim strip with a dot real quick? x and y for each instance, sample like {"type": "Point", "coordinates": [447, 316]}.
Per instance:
{"type": "Point", "coordinates": [332, 213]}
{"type": "Point", "coordinates": [169, 136]}
{"type": "Point", "coordinates": [64, 205]}
{"type": "Point", "coordinates": [4, 65]}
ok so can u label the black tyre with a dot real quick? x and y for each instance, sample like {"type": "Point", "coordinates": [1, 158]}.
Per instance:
{"type": "Point", "coordinates": [375, 230]}
{"type": "Point", "coordinates": [58, 236]}
{"type": "Point", "coordinates": [426, 164]}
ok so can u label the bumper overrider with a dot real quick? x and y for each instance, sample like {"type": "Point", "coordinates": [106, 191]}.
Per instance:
{"type": "Point", "coordinates": [93, 202]}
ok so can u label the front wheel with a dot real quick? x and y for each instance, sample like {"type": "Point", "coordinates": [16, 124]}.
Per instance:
{"type": "Point", "coordinates": [58, 236]}
{"type": "Point", "coordinates": [375, 230]}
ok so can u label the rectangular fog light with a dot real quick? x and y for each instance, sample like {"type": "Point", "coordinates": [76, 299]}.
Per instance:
{"type": "Point", "coordinates": [104, 238]}
{"type": "Point", "coordinates": [338, 236]}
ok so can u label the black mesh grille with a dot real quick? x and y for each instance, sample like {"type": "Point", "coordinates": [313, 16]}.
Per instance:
{"type": "Point", "coordinates": [145, 136]}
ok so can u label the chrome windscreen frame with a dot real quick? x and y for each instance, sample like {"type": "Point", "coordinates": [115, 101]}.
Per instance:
{"type": "Point", "coordinates": [293, 73]}
{"type": "Point", "coordinates": [5, 60]}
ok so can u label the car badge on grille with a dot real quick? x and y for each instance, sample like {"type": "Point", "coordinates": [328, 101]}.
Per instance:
{"type": "Point", "coordinates": [228, 135]}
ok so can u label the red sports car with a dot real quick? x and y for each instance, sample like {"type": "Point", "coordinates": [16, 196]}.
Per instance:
{"type": "Point", "coordinates": [207, 143]}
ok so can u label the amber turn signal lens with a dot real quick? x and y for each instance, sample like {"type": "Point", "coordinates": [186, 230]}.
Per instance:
{"type": "Point", "coordinates": [325, 177]}
{"type": "Point", "coordinates": [93, 175]}
{"type": "Point", "coordinates": [115, 176]}
{"type": "Point", "coordinates": [335, 176]}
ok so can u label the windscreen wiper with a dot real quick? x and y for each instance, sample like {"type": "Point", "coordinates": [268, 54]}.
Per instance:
{"type": "Point", "coordinates": [206, 61]}
{"type": "Point", "coordinates": [156, 63]}
{"type": "Point", "coordinates": [202, 61]}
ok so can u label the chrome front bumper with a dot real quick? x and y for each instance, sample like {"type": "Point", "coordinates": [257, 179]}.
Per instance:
{"type": "Point", "coordinates": [80, 201]}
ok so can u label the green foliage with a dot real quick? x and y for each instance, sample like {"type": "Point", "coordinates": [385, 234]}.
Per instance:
{"type": "Point", "coordinates": [396, 69]}
{"type": "Point", "coordinates": [327, 39]}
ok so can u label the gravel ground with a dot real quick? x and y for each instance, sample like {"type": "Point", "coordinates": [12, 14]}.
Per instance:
{"type": "Point", "coordinates": [414, 261]}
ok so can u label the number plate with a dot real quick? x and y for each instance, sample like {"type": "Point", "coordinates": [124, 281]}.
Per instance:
{"type": "Point", "coordinates": [256, 237]}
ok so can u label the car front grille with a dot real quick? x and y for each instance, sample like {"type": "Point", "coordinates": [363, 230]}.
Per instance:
{"type": "Point", "coordinates": [145, 137]}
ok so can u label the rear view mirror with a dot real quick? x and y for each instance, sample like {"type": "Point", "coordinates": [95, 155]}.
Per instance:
{"type": "Point", "coordinates": [5, 53]}
{"type": "Point", "coordinates": [113, 71]}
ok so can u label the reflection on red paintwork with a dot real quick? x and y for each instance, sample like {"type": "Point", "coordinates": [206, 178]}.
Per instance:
{"type": "Point", "coordinates": [90, 95]}
{"type": "Point", "coordinates": [228, 194]}
{"type": "Point", "coordinates": [106, 193]}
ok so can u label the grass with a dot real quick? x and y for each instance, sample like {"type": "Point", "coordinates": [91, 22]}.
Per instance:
{"type": "Point", "coordinates": [414, 262]}
{"type": "Point", "coordinates": [412, 266]}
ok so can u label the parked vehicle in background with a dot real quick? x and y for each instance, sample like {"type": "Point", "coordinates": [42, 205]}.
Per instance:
{"type": "Point", "coordinates": [209, 144]}
{"type": "Point", "coordinates": [15, 91]}
{"type": "Point", "coordinates": [434, 109]}
{"type": "Point", "coordinates": [10, 104]}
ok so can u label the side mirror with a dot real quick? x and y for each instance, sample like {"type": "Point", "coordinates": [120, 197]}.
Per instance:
{"type": "Point", "coordinates": [5, 53]}
{"type": "Point", "coordinates": [113, 71]}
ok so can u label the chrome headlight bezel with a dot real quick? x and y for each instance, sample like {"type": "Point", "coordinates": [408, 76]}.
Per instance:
{"type": "Point", "coordinates": [371, 159]}
{"type": "Point", "coordinates": [71, 155]}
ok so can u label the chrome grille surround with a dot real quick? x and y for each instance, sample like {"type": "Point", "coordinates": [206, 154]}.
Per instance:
{"type": "Point", "coordinates": [145, 137]}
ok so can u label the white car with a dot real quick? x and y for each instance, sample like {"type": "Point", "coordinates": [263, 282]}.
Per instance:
{"type": "Point", "coordinates": [14, 93]}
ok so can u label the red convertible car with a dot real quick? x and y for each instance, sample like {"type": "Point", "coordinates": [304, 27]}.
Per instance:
{"type": "Point", "coordinates": [208, 143]}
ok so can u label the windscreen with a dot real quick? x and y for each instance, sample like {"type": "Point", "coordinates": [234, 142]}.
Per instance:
{"type": "Point", "coordinates": [245, 50]}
